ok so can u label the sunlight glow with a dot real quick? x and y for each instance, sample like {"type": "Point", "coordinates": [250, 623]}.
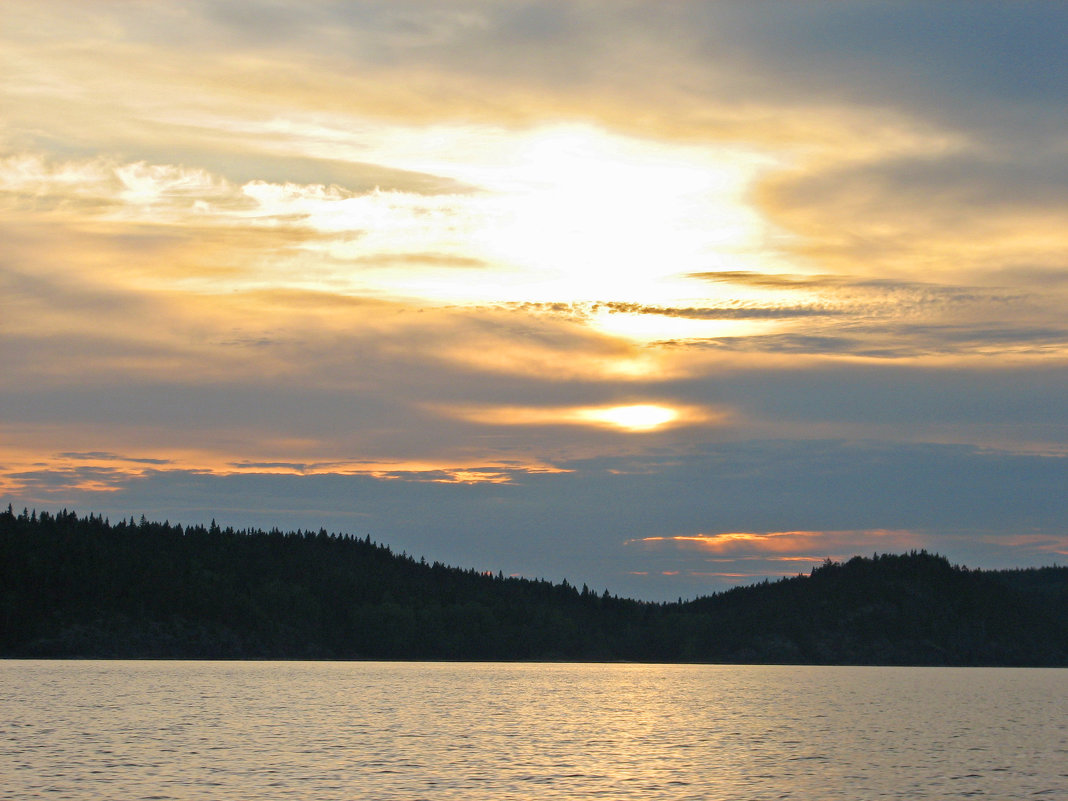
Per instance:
{"type": "Point", "coordinates": [645, 328]}
{"type": "Point", "coordinates": [634, 418]}
{"type": "Point", "coordinates": [559, 214]}
{"type": "Point", "coordinates": [581, 211]}
{"type": "Point", "coordinates": [640, 417]}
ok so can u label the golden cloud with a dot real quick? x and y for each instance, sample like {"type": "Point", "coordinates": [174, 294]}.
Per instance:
{"type": "Point", "coordinates": [29, 467]}
{"type": "Point", "coordinates": [630, 417]}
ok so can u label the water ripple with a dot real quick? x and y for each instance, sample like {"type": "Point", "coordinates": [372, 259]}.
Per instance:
{"type": "Point", "coordinates": [459, 732]}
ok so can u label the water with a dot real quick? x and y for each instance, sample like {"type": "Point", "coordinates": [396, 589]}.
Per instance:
{"type": "Point", "coordinates": [322, 730]}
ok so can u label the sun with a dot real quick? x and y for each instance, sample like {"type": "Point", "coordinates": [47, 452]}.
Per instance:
{"type": "Point", "coordinates": [639, 417]}
{"type": "Point", "coordinates": [564, 213]}
{"type": "Point", "coordinates": [630, 418]}
{"type": "Point", "coordinates": [585, 215]}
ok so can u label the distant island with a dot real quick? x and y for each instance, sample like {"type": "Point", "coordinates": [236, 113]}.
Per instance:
{"type": "Point", "coordinates": [84, 587]}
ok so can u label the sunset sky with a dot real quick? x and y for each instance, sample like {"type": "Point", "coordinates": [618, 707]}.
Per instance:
{"type": "Point", "coordinates": [662, 297]}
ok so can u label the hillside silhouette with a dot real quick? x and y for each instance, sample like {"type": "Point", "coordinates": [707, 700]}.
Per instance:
{"type": "Point", "coordinates": [83, 587]}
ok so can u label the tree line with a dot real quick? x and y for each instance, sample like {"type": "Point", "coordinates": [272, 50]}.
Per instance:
{"type": "Point", "coordinates": [75, 586]}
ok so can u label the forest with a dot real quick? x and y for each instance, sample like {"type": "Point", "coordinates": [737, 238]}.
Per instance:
{"type": "Point", "coordinates": [83, 587]}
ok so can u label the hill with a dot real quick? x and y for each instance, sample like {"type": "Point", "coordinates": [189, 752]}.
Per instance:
{"type": "Point", "coordinates": [82, 587]}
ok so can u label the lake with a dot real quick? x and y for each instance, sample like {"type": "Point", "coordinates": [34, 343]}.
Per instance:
{"type": "Point", "coordinates": [360, 730]}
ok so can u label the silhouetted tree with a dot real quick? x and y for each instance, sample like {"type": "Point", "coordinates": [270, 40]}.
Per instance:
{"type": "Point", "coordinates": [73, 586]}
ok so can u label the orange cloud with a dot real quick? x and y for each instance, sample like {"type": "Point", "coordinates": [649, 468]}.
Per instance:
{"type": "Point", "coordinates": [747, 575]}
{"type": "Point", "coordinates": [1042, 543]}
{"type": "Point", "coordinates": [32, 460]}
{"type": "Point", "coordinates": [785, 545]}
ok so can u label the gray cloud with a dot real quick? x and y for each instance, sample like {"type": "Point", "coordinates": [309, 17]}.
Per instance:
{"type": "Point", "coordinates": [897, 341]}
{"type": "Point", "coordinates": [989, 68]}
{"type": "Point", "coordinates": [909, 206]}
{"type": "Point", "coordinates": [99, 455]}
{"type": "Point", "coordinates": [951, 62]}
{"type": "Point", "coordinates": [54, 482]}
{"type": "Point", "coordinates": [962, 184]}
{"type": "Point", "coordinates": [851, 286]}
{"type": "Point", "coordinates": [901, 318]}
{"type": "Point", "coordinates": [897, 395]}
{"type": "Point", "coordinates": [722, 312]}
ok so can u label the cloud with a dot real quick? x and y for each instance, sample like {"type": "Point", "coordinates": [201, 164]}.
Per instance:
{"type": "Point", "coordinates": [167, 195]}
{"type": "Point", "coordinates": [848, 285]}
{"type": "Point", "coordinates": [896, 318]}
{"type": "Point", "coordinates": [723, 313]}
{"type": "Point", "coordinates": [61, 481]}
{"type": "Point", "coordinates": [784, 545]}
{"type": "Point", "coordinates": [685, 65]}
{"type": "Point", "coordinates": [102, 455]}
{"type": "Point", "coordinates": [957, 215]}
{"type": "Point", "coordinates": [945, 61]}
{"type": "Point", "coordinates": [895, 341]}
{"type": "Point", "coordinates": [873, 53]}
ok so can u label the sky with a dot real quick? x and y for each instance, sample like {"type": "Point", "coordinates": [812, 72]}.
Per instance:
{"type": "Point", "coordinates": [662, 298]}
